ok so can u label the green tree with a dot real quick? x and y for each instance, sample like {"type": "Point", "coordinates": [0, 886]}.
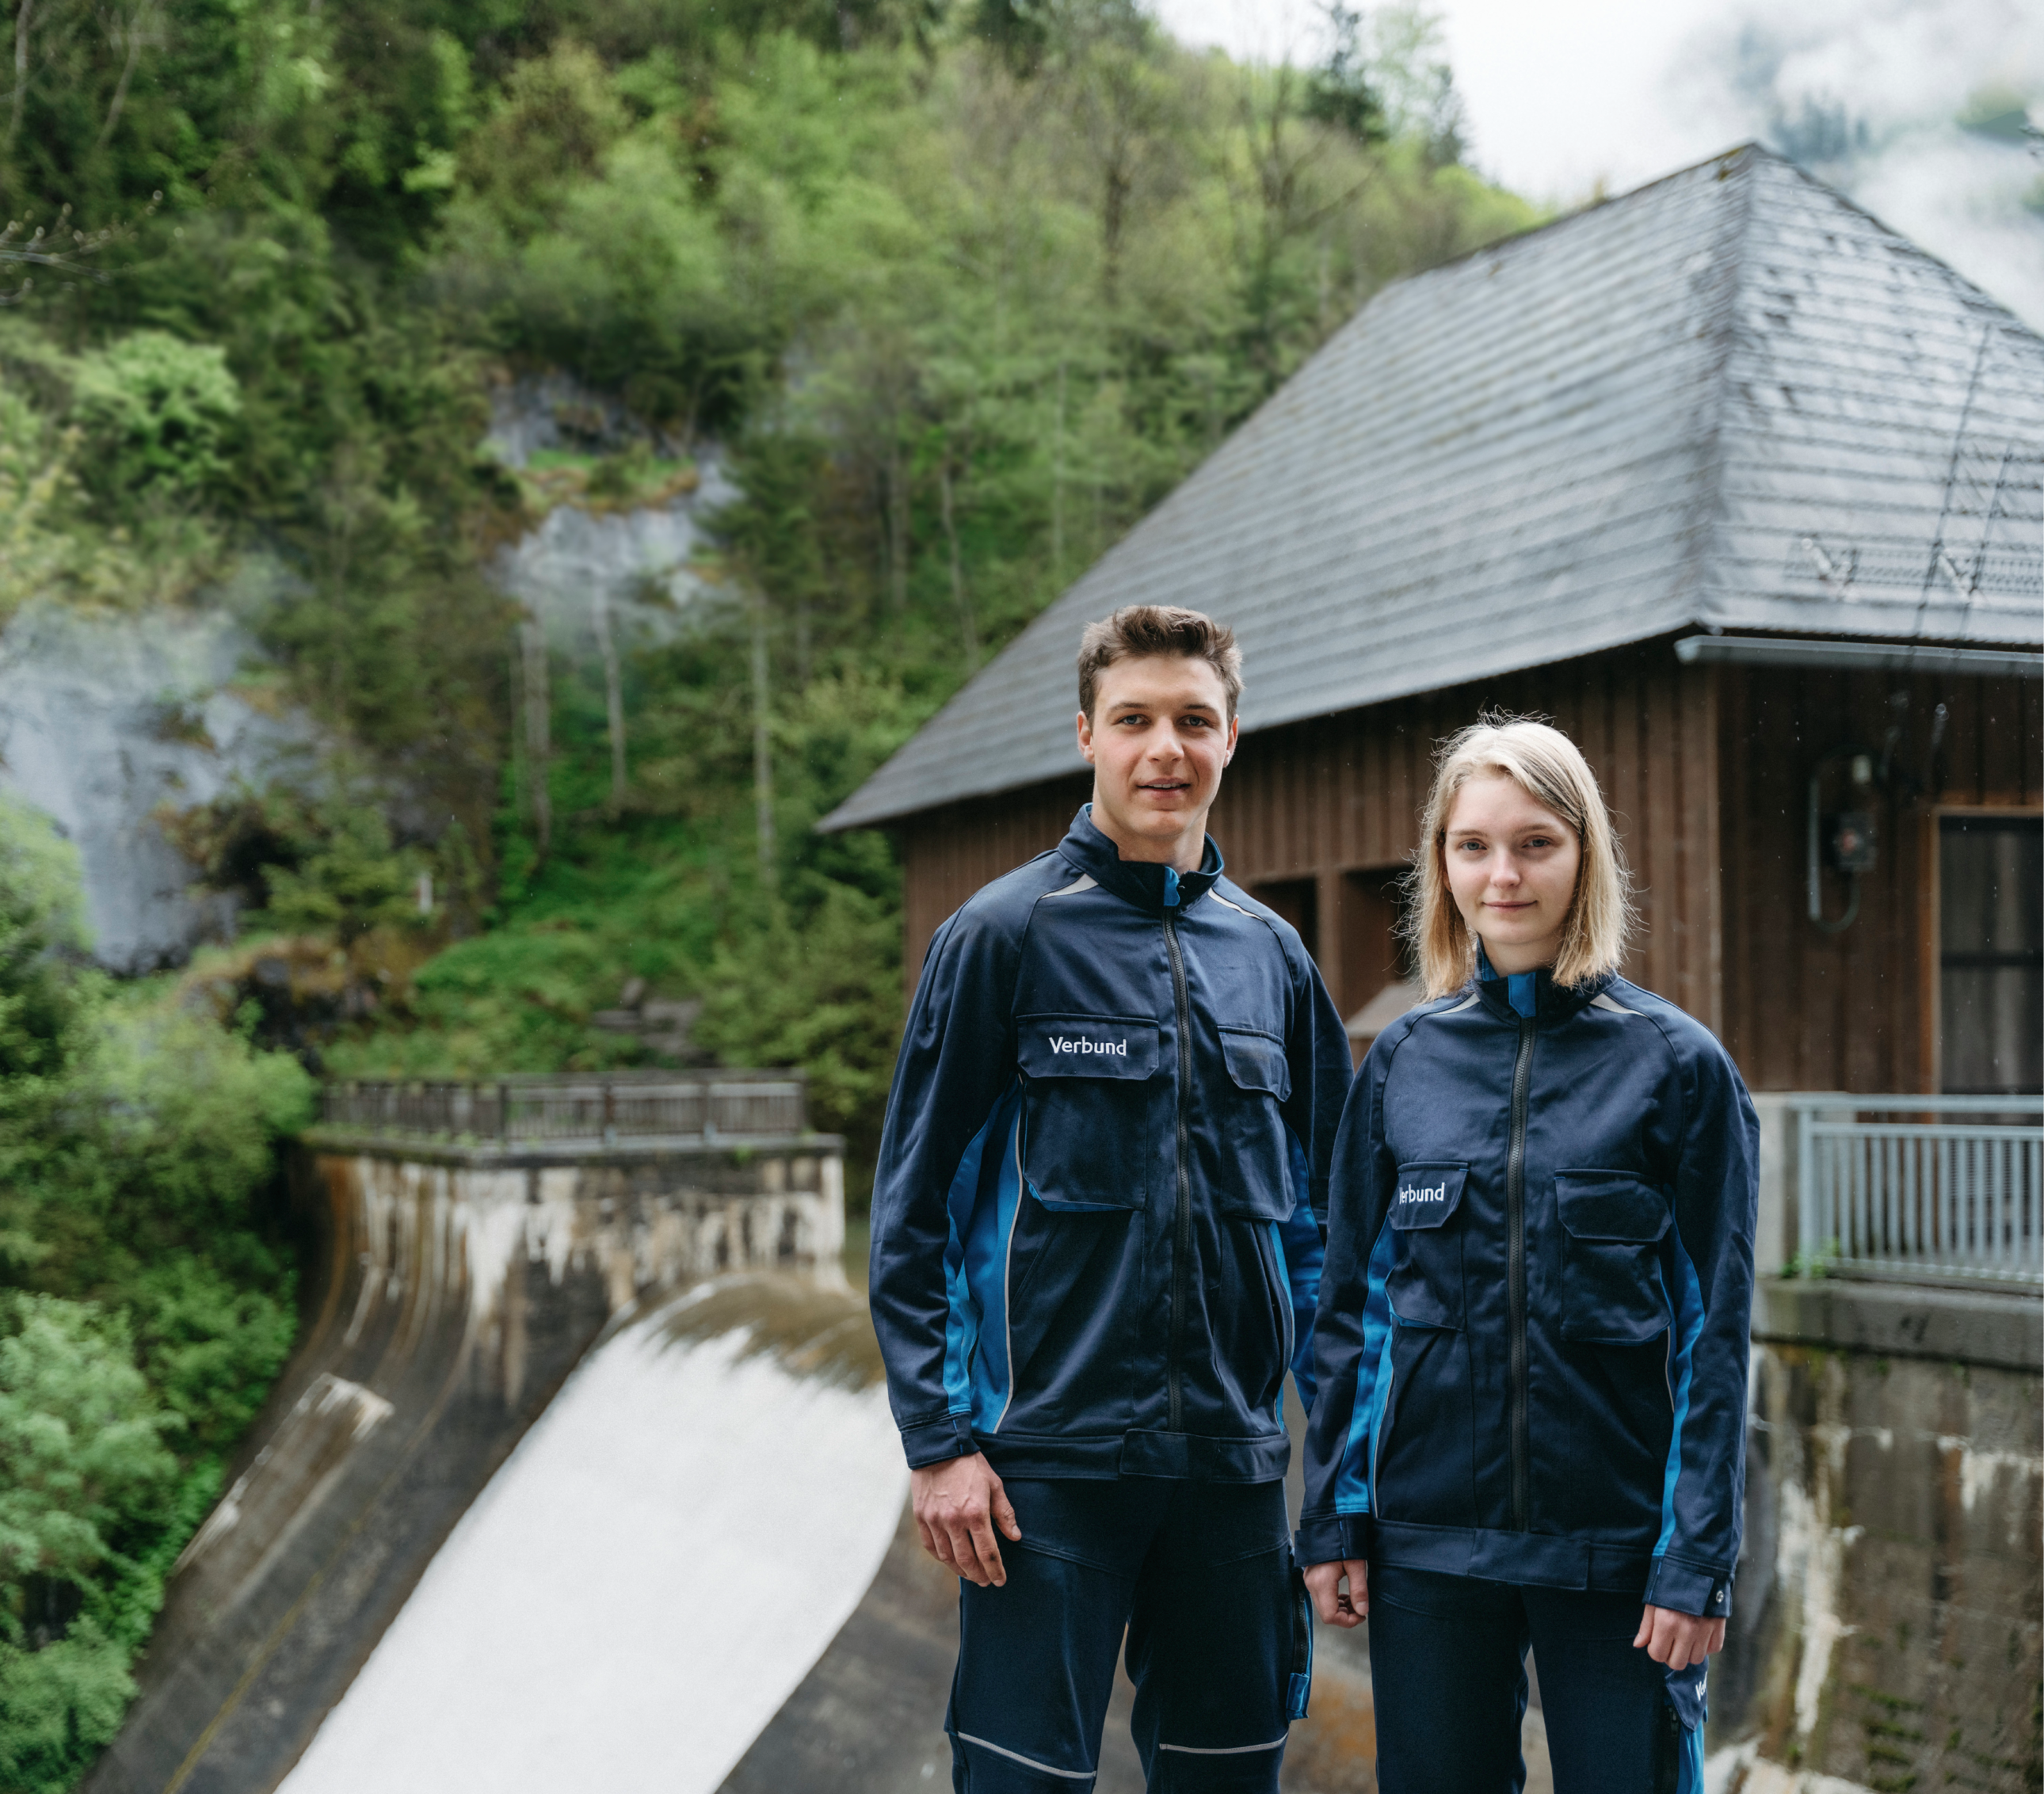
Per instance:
{"type": "Point", "coordinates": [84, 1474]}
{"type": "Point", "coordinates": [155, 412]}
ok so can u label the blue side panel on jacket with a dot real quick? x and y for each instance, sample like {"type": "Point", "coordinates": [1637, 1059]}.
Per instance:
{"type": "Point", "coordinates": [1373, 1390]}
{"type": "Point", "coordinates": [962, 1314]}
{"type": "Point", "coordinates": [985, 1196]}
{"type": "Point", "coordinates": [1302, 1249]}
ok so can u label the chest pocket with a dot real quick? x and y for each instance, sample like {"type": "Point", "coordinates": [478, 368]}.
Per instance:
{"type": "Point", "coordinates": [1425, 1283]}
{"type": "Point", "coordinates": [1612, 1290]}
{"type": "Point", "coordinates": [1243, 1150]}
{"type": "Point", "coordinates": [1085, 1099]}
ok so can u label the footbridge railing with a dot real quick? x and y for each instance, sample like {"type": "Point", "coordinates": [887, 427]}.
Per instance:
{"type": "Point", "coordinates": [621, 1106]}
{"type": "Point", "coordinates": [1944, 1190]}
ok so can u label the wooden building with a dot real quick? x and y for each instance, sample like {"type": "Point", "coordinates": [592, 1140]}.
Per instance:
{"type": "Point", "coordinates": [1740, 489]}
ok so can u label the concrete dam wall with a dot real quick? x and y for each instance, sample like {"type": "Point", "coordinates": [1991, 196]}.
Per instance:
{"type": "Point", "coordinates": [1886, 1634]}
{"type": "Point", "coordinates": [450, 1290]}
{"type": "Point", "coordinates": [694, 1572]}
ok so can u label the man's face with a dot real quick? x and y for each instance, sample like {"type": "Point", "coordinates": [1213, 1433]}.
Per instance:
{"type": "Point", "coordinates": [1157, 740]}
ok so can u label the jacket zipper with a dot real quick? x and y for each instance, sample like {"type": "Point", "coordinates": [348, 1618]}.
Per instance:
{"type": "Point", "coordinates": [1515, 1222]}
{"type": "Point", "coordinates": [1181, 1219]}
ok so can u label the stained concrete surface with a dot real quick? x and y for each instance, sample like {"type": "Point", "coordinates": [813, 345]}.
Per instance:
{"type": "Point", "coordinates": [1886, 1629]}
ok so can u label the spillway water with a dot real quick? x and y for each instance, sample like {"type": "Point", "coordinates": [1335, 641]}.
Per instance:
{"type": "Point", "coordinates": [644, 1582]}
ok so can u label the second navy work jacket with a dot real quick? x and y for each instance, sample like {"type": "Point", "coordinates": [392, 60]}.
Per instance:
{"type": "Point", "coordinates": [1534, 1328]}
{"type": "Point", "coordinates": [1096, 1232]}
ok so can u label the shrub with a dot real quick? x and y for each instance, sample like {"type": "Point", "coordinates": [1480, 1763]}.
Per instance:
{"type": "Point", "coordinates": [156, 411]}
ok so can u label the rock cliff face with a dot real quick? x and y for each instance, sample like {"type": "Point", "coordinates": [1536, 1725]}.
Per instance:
{"type": "Point", "coordinates": [586, 568]}
{"type": "Point", "coordinates": [106, 718]}
{"type": "Point", "coordinates": [635, 565]}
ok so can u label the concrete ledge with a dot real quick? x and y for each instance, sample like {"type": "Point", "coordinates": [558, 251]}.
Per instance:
{"type": "Point", "coordinates": [422, 1150]}
{"type": "Point", "coordinates": [1903, 1320]}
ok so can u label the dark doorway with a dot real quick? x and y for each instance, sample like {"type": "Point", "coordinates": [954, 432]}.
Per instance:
{"type": "Point", "coordinates": [1380, 979]}
{"type": "Point", "coordinates": [1298, 901]}
{"type": "Point", "coordinates": [1374, 952]}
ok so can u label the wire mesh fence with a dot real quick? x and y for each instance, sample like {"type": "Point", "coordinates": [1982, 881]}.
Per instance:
{"type": "Point", "coordinates": [1936, 1188]}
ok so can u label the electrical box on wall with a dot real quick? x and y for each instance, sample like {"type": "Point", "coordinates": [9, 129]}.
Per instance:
{"type": "Point", "coordinates": [1854, 840]}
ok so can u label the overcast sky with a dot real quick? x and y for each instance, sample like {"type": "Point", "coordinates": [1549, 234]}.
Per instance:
{"type": "Point", "coordinates": [1562, 94]}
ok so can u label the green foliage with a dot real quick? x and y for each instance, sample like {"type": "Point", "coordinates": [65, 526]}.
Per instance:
{"type": "Point", "coordinates": [42, 920]}
{"type": "Point", "coordinates": [825, 996]}
{"type": "Point", "coordinates": [152, 1307]}
{"type": "Point", "coordinates": [81, 1445]}
{"type": "Point", "coordinates": [84, 1471]}
{"type": "Point", "coordinates": [60, 1705]}
{"type": "Point", "coordinates": [155, 411]}
{"type": "Point", "coordinates": [1339, 91]}
{"type": "Point", "coordinates": [311, 862]}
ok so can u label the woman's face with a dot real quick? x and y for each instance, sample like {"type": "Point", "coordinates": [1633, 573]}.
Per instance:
{"type": "Point", "coordinates": [1512, 866]}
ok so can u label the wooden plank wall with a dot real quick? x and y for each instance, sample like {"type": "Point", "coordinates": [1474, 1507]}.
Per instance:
{"type": "Point", "coordinates": [1707, 772]}
{"type": "Point", "coordinates": [1336, 800]}
{"type": "Point", "coordinates": [947, 854]}
{"type": "Point", "coordinates": [1854, 1011]}
{"type": "Point", "coordinates": [1342, 795]}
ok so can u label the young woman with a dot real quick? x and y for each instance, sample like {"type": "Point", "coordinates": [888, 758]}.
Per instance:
{"type": "Point", "coordinates": [1533, 1318]}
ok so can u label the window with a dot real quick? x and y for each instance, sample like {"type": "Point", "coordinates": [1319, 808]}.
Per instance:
{"type": "Point", "coordinates": [1991, 954]}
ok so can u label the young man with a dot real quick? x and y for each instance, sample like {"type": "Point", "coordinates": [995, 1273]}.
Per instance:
{"type": "Point", "coordinates": [1096, 1249]}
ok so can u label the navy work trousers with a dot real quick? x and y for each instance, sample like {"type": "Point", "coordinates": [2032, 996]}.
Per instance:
{"type": "Point", "coordinates": [1447, 1662]}
{"type": "Point", "coordinates": [1199, 1574]}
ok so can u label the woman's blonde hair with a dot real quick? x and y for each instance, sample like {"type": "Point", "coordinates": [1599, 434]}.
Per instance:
{"type": "Point", "coordinates": [1550, 769]}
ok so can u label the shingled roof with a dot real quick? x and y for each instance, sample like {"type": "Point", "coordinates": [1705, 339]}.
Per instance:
{"type": "Point", "coordinates": [1730, 399]}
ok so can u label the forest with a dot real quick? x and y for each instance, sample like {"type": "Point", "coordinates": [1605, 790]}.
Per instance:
{"type": "Point", "coordinates": [950, 291]}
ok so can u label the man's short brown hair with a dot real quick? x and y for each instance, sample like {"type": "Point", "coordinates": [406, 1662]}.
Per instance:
{"type": "Point", "coordinates": [1136, 630]}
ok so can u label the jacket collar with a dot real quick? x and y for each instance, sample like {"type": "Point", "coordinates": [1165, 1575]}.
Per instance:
{"type": "Point", "coordinates": [1142, 882]}
{"type": "Point", "coordinates": [1536, 992]}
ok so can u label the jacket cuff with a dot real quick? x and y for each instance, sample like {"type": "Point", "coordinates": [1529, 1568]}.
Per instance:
{"type": "Point", "coordinates": [932, 1441]}
{"type": "Point", "coordinates": [1329, 1538]}
{"type": "Point", "coordinates": [1684, 1589]}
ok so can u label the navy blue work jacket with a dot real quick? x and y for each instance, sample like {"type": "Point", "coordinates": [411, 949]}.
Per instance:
{"type": "Point", "coordinates": [1533, 1333]}
{"type": "Point", "coordinates": [1096, 1220]}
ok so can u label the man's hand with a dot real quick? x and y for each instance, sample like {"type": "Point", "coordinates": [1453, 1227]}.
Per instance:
{"type": "Point", "coordinates": [957, 1504]}
{"type": "Point", "coordinates": [1335, 1606]}
{"type": "Point", "coordinates": [1678, 1639]}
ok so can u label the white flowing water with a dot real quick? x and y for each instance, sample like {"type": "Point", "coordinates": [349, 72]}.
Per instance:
{"type": "Point", "coordinates": [638, 1590]}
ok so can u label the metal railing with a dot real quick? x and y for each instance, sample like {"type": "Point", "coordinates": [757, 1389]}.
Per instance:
{"type": "Point", "coordinates": [1942, 1190]}
{"type": "Point", "coordinates": [705, 1106]}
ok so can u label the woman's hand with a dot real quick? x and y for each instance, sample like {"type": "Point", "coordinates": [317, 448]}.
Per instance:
{"type": "Point", "coordinates": [1676, 1639]}
{"type": "Point", "coordinates": [1334, 1605]}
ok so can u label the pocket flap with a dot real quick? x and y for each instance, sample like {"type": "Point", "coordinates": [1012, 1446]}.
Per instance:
{"type": "Point", "coordinates": [1086, 1045]}
{"type": "Point", "coordinates": [1611, 1205]}
{"type": "Point", "coordinates": [1427, 1195]}
{"type": "Point", "coordinates": [1256, 1061]}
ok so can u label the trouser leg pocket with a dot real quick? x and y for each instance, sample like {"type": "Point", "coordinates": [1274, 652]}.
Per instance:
{"type": "Point", "coordinates": [1299, 1684]}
